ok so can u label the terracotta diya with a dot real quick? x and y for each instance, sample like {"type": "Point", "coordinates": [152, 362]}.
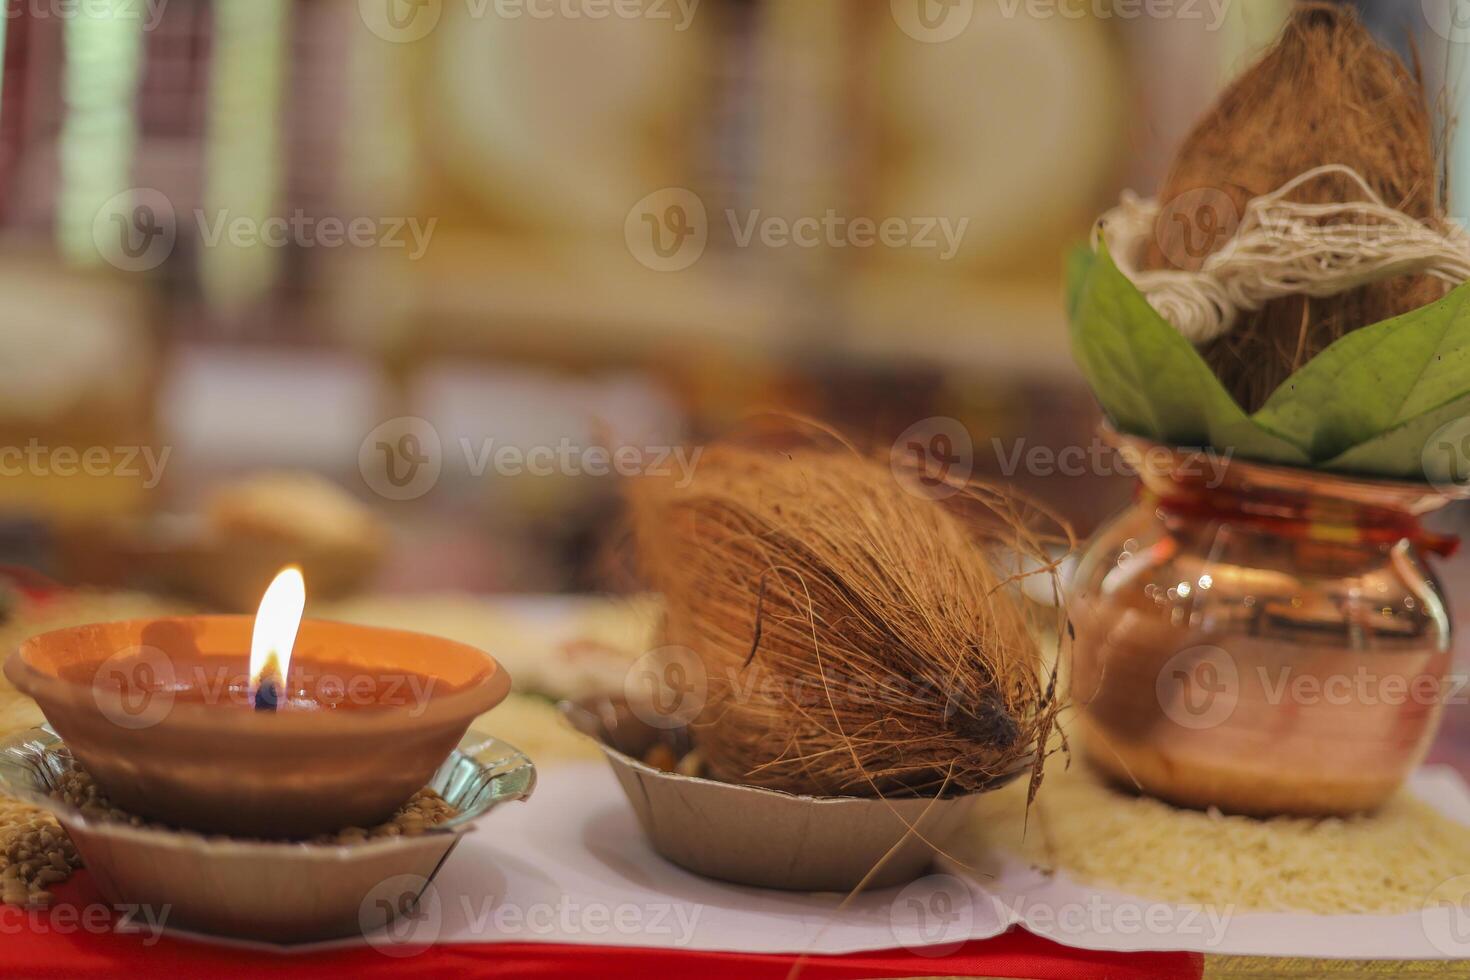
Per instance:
{"type": "Point", "coordinates": [271, 728]}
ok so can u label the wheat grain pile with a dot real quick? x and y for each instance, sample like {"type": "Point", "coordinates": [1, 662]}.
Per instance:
{"type": "Point", "coordinates": [1388, 862]}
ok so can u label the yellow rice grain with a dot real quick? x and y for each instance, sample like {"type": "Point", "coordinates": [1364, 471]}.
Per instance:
{"type": "Point", "coordinates": [1388, 862]}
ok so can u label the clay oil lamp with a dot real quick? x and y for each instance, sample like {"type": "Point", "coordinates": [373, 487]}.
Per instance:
{"type": "Point", "coordinates": [275, 727]}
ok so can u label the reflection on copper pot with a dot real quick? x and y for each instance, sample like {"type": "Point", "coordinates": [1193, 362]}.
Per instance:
{"type": "Point", "coordinates": [1260, 639]}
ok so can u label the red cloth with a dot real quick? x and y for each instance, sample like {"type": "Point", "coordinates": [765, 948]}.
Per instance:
{"type": "Point", "coordinates": [32, 947]}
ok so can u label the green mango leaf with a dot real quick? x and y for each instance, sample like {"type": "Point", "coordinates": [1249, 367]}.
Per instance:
{"type": "Point", "coordinates": [1382, 401]}
{"type": "Point", "coordinates": [1079, 265]}
{"type": "Point", "coordinates": [1377, 385]}
{"type": "Point", "coordinates": [1149, 379]}
{"type": "Point", "coordinates": [1424, 448]}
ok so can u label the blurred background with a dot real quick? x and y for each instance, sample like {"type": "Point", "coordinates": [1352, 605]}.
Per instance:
{"type": "Point", "coordinates": [403, 287]}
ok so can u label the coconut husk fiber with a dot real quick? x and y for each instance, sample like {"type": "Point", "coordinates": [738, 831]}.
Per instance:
{"type": "Point", "coordinates": [857, 638]}
{"type": "Point", "coordinates": [1326, 93]}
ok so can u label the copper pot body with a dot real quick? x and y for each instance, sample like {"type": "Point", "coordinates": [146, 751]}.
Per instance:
{"type": "Point", "coordinates": [1264, 640]}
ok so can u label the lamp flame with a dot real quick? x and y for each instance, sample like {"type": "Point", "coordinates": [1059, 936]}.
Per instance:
{"type": "Point", "coordinates": [276, 623]}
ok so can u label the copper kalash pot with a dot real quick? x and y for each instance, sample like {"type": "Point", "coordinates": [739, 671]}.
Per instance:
{"type": "Point", "coordinates": [1261, 639]}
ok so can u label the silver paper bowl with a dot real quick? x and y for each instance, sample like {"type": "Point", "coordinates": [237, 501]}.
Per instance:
{"type": "Point", "coordinates": [268, 891]}
{"type": "Point", "coordinates": [749, 835]}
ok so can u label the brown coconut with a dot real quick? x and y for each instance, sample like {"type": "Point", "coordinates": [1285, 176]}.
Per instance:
{"type": "Point", "coordinates": [857, 638]}
{"type": "Point", "coordinates": [1326, 93]}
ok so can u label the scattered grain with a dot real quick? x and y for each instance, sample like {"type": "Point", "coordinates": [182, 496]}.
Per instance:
{"type": "Point", "coordinates": [1385, 863]}
{"type": "Point", "coordinates": [423, 810]}
{"type": "Point", "coordinates": [35, 853]}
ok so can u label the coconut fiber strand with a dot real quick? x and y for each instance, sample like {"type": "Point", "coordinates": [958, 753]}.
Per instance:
{"type": "Point", "coordinates": [857, 638]}
{"type": "Point", "coordinates": [1327, 93]}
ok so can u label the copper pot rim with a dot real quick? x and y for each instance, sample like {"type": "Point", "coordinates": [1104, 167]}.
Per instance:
{"type": "Point", "coordinates": [1408, 496]}
{"type": "Point", "coordinates": [477, 698]}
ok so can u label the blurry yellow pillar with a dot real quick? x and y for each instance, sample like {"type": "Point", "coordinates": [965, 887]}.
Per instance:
{"type": "Point", "coordinates": [243, 151]}
{"type": "Point", "coordinates": [99, 86]}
